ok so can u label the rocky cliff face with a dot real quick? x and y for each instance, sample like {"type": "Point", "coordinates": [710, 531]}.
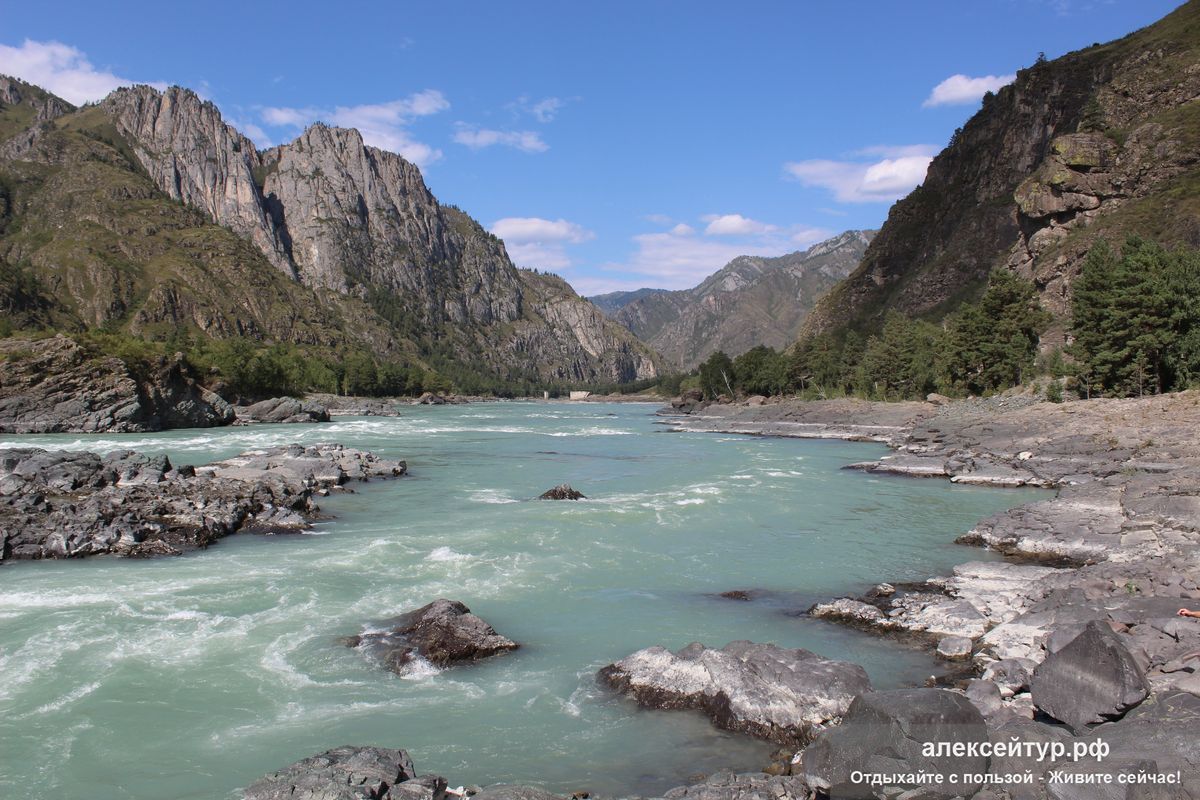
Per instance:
{"type": "Point", "coordinates": [1101, 142]}
{"type": "Point", "coordinates": [333, 243]}
{"type": "Point", "coordinates": [56, 386]}
{"type": "Point", "coordinates": [751, 301]}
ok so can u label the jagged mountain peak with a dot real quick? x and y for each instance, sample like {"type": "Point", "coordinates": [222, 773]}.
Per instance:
{"type": "Point", "coordinates": [354, 225]}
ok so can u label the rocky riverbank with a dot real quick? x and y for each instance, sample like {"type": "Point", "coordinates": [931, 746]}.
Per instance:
{"type": "Point", "coordinates": [73, 504]}
{"type": "Point", "coordinates": [1079, 627]}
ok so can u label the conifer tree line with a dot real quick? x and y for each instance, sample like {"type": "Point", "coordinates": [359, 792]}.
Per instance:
{"type": "Point", "coordinates": [1135, 330]}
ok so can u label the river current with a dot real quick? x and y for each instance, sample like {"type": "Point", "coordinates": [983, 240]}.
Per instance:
{"type": "Point", "coordinates": [190, 677]}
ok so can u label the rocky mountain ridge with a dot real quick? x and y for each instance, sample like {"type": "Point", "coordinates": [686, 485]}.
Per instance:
{"type": "Point", "coordinates": [750, 301]}
{"type": "Point", "coordinates": [1103, 142]}
{"type": "Point", "coordinates": [344, 243]}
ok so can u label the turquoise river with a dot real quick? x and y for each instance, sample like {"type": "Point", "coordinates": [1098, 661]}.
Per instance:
{"type": "Point", "coordinates": [190, 677]}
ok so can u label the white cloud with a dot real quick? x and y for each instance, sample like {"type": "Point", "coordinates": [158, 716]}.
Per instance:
{"type": "Point", "coordinates": [479, 138]}
{"type": "Point", "coordinates": [679, 259]}
{"type": "Point", "coordinates": [62, 70]}
{"type": "Point", "coordinates": [382, 125]}
{"type": "Point", "coordinates": [536, 229]}
{"type": "Point", "coordinates": [883, 180]}
{"type": "Point", "coordinates": [734, 225]}
{"type": "Point", "coordinates": [961, 89]}
{"type": "Point", "coordinates": [540, 243]}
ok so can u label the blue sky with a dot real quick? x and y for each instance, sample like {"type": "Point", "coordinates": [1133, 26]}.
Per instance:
{"type": "Point", "coordinates": [619, 144]}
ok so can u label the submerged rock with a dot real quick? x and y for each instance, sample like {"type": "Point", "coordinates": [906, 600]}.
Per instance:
{"type": "Point", "coordinates": [1092, 679]}
{"type": "Point", "coordinates": [562, 492]}
{"type": "Point", "coordinates": [444, 633]}
{"type": "Point", "coordinates": [887, 731]}
{"type": "Point", "coordinates": [285, 409]}
{"type": "Point", "coordinates": [767, 691]}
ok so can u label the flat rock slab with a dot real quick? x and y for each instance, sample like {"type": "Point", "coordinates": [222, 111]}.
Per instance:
{"type": "Point", "coordinates": [772, 692]}
{"type": "Point", "coordinates": [1091, 680]}
{"type": "Point", "coordinates": [284, 410]}
{"type": "Point", "coordinates": [886, 732]}
{"type": "Point", "coordinates": [444, 633]}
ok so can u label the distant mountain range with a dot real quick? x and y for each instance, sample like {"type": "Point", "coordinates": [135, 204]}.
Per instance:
{"type": "Point", "coordinates": [147, 214]}
{"type": "Point", "coordinates": [748, 302]}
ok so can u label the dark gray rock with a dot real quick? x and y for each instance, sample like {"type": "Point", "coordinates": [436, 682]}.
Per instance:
{"type": "Point", "coordinates": [285, 409]}
{"type": "Point", "coordinates": [744, 786]}
{"type": "Point", "coordinates": [444, 633]}
{"type": "Point", "coordinates": [562, 492]}
{"type": "Point", "coordinates": [772, 692]}
{"type": "Point", "coordinates": [57, 386]}
{"type": "Point", "coordinates": [501, 792]}
{"type": "Point", "coordinates": [886, 732]}
{"type": "Point", "coordinates": [1092, 679]}
{"type": "Point", "coordinates": [71, 504]}
{"type": "Point", "coordinates": [1017, 729]}
{"type": "Point", "coordinates": [344, 773]}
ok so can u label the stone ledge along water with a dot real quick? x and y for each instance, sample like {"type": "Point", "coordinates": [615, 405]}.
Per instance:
{"type": "Point", "coordinates": [189, 677]}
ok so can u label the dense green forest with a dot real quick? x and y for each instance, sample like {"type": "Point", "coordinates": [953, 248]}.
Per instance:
{"type": "Point", "coordinates": [1135, 331]}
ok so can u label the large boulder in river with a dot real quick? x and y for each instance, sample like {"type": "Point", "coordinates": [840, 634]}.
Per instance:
{"type": "Point", "coordinates": [562, 492]}
{"type": "Point", "coordinates": [886, 732]}
{"type": "Point", "coordinates": [444, 633]}
{"type": "Point", "coordinates": [768, 691]}
{"type": "Point", "coordinates": [285, 409]}
{"type": "Point", "coordinates": [1092, 679]}
{"type": "Point", "coordinates": [344, 773]}
{"type": "Point", "coordinates": [56, 385]}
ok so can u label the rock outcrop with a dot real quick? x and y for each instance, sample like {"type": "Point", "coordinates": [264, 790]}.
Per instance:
{"type": "Point", "coordinates": [750, 301]}
{"type": "Point", "coordinates": [1098, 143]}
{"type": "Point", "coordinates": [56, 386]}
{"type": "Point", "coordinates": [284, 409]}
{"type": "Point", "coordinates": [886, 732]}
{"type": "Point", "coordinates": [444, 633]}
{"type": "Point", "coordinates": [772, 692]}
{"type": "Point", "coordinates": [72, 504]}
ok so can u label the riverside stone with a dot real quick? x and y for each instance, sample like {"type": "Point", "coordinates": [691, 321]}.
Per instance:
{"type": "Point", "coordinates": [73, 504]}
{"type": "Point", "coordinates": [1092, 679]}
{"type": "Point", "coordinates": [285, 409]}
{"type": "Point", "coordinates": [785, 695]}
{"type": "Point", "coordinates": [886, 732]}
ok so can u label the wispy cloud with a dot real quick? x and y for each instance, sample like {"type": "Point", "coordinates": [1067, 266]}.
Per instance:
{"type": "Point", "coordinates": [544, 110]}
{"type": "Point", "coordinates": [480, 138]}
{"type": "Point", "coordinates": [960, 90]}
{"type": "Point", "coordinates": [868, 178]}
{"type": "Point", "coordinates": [734, 225]}
{"type": "Point", "coordinates": [382, 125]}
{"type": "Point", "coordinates": [681, 257]}
{"type": "Point", "coordinates": [61, 69]}
{"type": "Point", "coordinates": [540, 243]}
